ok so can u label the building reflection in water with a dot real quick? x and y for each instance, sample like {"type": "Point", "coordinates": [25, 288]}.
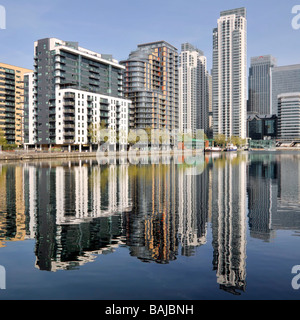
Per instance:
{"type": "Point", "coordinates": [169, 212]}
{"type": "Point", "coordinates": [74, 211]}
{"type": "Point", "coordinates": [262, 189]}
{"type": "Point", "coordinates": [192, 210]}
{"type": "Point", "coordinates": [229, 222]}
{"type": "Point", "coordinates": [77, 210]}
{"type": "Point", "coordinates": [12, 204]}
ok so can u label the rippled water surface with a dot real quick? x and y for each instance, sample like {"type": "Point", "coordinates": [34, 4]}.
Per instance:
{"type": "Point", "coordinates": [226, 227]}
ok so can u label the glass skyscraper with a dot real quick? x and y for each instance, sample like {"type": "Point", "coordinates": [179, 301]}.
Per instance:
{"type": "Point", "coordinates": [289, 115]}
{"type": "Point", "coordinates": [260, 84]}
{"type": "Point", "coordinates": [285, 79]}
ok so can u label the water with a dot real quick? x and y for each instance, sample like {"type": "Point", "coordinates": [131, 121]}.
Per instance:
{"type": "Point", "coordinates": [226, 228]}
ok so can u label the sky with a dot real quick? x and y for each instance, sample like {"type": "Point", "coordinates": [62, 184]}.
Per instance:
{"type": "Point", "coordinates": [117, 26]}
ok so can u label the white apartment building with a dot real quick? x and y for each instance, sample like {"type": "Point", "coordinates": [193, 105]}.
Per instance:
{"type": "Point", "coordinates": [193, 90]}
{"type": "Point", "coordinates": [229, 74]}
{"type": "Point", "coordinates": [71, 92]}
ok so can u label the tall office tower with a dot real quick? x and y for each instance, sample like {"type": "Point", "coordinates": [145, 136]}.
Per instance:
{"type": "Point", "coordinates": [12, 102]}
{"type": "Point", "coordinates": [74, 89]}
{"type": "Point", "coordinates": [260, 84]}
{"type": "Point", "coordinates": [229, 74]}
{"type": "Point", "coordinates": [193, 90]}
{"type": "Point", "coordinates": [285, 79]}
{"type": "Point", "coordinates": [289, 115]}
{"type": "Point", "coordinates": [151, 82]}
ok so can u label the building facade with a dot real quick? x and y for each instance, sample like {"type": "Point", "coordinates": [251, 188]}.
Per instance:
{"type": "Point", "coordinates": [193, 90]}
{"type": "Point", "coordinates": [72, 91]}
{"type": "Point", "coordinates": [151, 83]}
{"type": "Point", "coordinates": [260, 84]}
{"type": "Point", "coordinates": [12, 102]}
{"type": "Point", "coordinates": [262, 127]}
{"type": "Point", "coordinates": [229, 74]}
{"type": "Point", "coordinates": [289, 116]}
{"type": "Point", "coordinates": [285, 79]}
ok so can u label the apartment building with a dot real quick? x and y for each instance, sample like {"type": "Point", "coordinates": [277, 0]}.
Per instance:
{"type": "Point", "coordinates": [12, 102]}
{"type": "Point", "coordinates": [72, 91]}
{"type": "Point", "coordinates": [229, 74]}
{"type": "Point", "coordinates": [151, 83]}
{"type": "Point", "coordinates": [193, 90]}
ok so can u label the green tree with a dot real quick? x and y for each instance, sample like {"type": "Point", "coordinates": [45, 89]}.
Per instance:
{"type": "Point", "coordinates": [94, 132]}
{"type": "Point", "coordinates": [235, 140]}
{"type": "Point", "coordinates": [3, 141]}
{"type": "Point", "coordinates": [220, 139]}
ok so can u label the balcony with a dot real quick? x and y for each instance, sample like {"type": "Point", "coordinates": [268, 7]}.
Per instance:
{"type": "Point", "coordinates": [69, 103]}
{"type": "Point", "coordinates": [69, 110]}
{"type": "Point", "coordinates": [69, 95]}
{"type": "Point", "coordinates": [104, 115]}
{"type": "Point", "coordinates": [104, 101]}
{"type": "Point", "coordinates": [69, 118]}
{"type": "Point", "coordinates": [69, 141]}
{"type": "Point", "coordinates": [69, 126]}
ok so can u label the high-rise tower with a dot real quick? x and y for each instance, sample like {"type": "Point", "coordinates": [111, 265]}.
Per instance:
{"type": "Point", "coordinates": [151, 82]}
{"type": "Point", "coordinates": [229, 73]}
{"type": "Point", "coordinates": [12, 102]}
{"type": "Point", "coordinates": [193, 90]}
{"type": "Point", "coordinates": [260, 84]}
{"type": "Point", "coordinates": [74, 90]}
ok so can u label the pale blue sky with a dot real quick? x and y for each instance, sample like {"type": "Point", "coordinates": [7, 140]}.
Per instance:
{"type": "Point", "coordinates": [117, 26]}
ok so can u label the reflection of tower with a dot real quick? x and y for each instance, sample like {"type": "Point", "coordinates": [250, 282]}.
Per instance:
{"type": "Point", "coordinates": [262, 192]}
{"type": "Point", "coordinates": [289, 180]}
{"type": "Point", "coordinates": [77, 213]}
{"type": "Point", "coordinates": [192, 210]}
{"type": "Point", "coordinates": [229, 224]}
{"type": "Point", "coordinates": [150, 227]}
{"type": "Point", "coordinates": [112, 188]}
{"type": "Point", "coordinates": [81, 191]}
{"type": "Point", "coordinates": [30, 197]}
{"type": "Point", "coordinates": [287, 214]}
{"type": "Point", "coordinates": [123, 192]}
{"type": "Point", "coordinates": [12, 205]}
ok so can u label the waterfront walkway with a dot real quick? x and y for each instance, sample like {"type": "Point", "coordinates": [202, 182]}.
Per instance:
{"type": "Point", "coordinates": [44, 155]}
{"type": "Point", "coordinates": [76, 155]}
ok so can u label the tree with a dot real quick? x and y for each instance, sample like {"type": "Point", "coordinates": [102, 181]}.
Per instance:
{"type": "Point", "coordinates": [220, 139]}
{"type": "Point", "coordinates": [235, 140]}
{"type": "Point", "coordinates": [3, 141]}
{"type": "Point", "coordinates": [94, 132]}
